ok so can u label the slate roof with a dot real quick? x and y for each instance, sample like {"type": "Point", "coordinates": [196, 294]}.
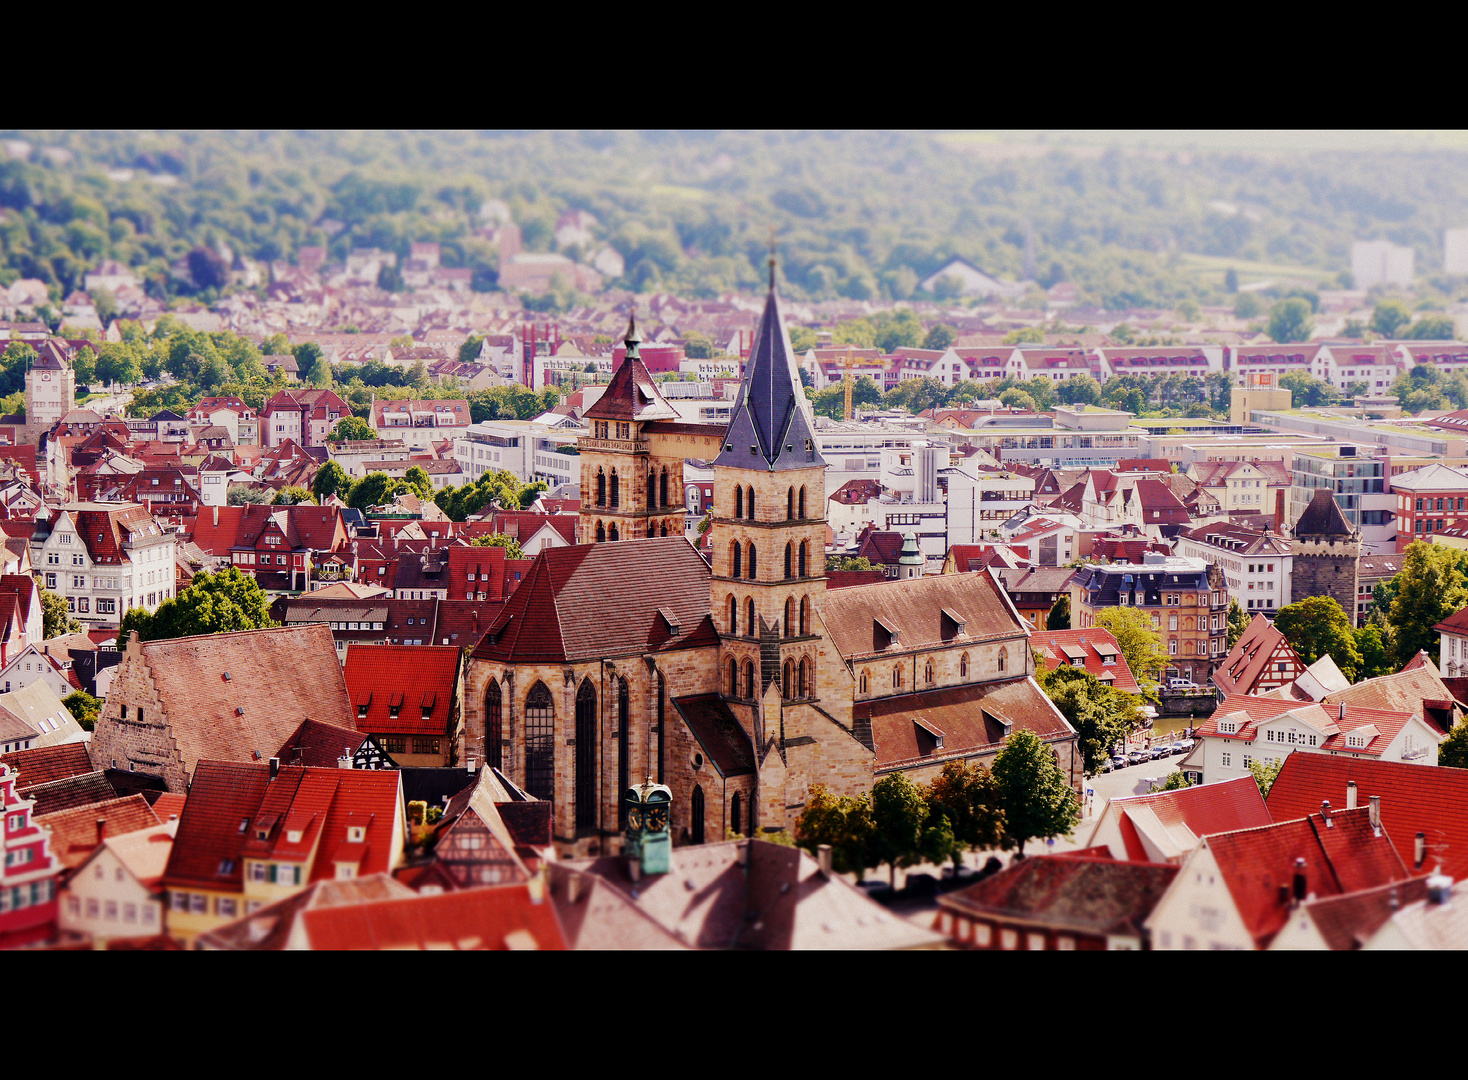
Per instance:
{"type": "Point", "coordinates": [1323, 517]}
{"type": "Point", "coordinates": [279, 677]}
{"type": "Point", "coordinates": [720, 735]}
{"type": "Point", "coordinates": [223, 799]}
{"type": "Point", "coordinates": [1068, 893]}
{"type": "Point", "coordinates": [916, 608]}
{"type": "Point", "coordinates": [1037, 579]}
{"type": "Point", "coordinates": [971, 718]}
{"type": "Point", "coordinates": [419, 682]}
{"type": "Point", "coordinates": [560, 611]}
{"type": "Point", "coordinates": [1414, 798]}
{"type": "Point", "coordinates": [769, 413]}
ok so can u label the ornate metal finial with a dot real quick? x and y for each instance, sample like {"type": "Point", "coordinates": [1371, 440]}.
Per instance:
{"type": "Point", "coordinates": [772, 258]}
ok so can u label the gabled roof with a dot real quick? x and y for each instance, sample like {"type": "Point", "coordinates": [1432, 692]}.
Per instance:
{"type": "Point", "coordinates": [403, 689]}
{"type": "Point", "coordinates": [1348, 921]}
{"type": "Point", "coordinates": [1175, 821]}
{"type": "Point", "coordinates": [919, 608]}
{"type": "Point", "coordinates": [320, 744]}
{"type": "Point", "coordinates": [1069, 893]}
{"type": "Point", "coordinates": [269, 928]}
{"type": "Point", "coordinates": [46, 763]}
{"type": "Point", "coordinates": [559, 611]}
{"type": "Point", "coordinates": [223, 799]}
{"type": "Point", "coordinates": [1259, 865]}
{"type": "Point", "coordinates": [1248, 661]}
{"type": "Point", "coordinates": [499, 917]}
{"type": "Point", "coordinates": [74, 832]}
{"type": "Point", "coordinates": [1404, 691]}
{"type": "Point", "coordinates": [973, 717]}
{"type": "Point", "coordinates": [1250, 712]}
{"type": "Point", "coordinates": [1414, 798]}
{"type": "Point", "coordinates": [1090, 645]}
{"type": "Point", "coordinates": [768, 427]}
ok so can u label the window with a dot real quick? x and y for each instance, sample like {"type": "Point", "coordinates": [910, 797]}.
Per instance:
{"type": "Point", "coordinates": [928, 673]}
{"type": "Point", "coordinates": [897, 678]}
{"type": "Point", "coordinates": [963, 666]}
{"type": "Point", "coordinates": [425, 746]}
{"type": "Point", "coordinates": [862, 683]}
{"type": "Point", "coordinates": [540, 730]}
{"type": "Point", "coordinates": [1003, 658]}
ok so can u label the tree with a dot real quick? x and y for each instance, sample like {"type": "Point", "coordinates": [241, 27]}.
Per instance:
{"type": "Point", "coordinates": [1059, 617]}
{"type": "Point", "coordinates": [1289, 320]}
{"type": "Point", "coordinates": [56, 617]}
{"type": "Point", "coordinates": [511, 545]}
{"type": "Point", "coordinates": [1452, 752]}
{"type": "Point", "coordinates": [1306, 389]}
{"type": "Point", "coordinates": [1101, 715]}
{"type": "Point", "coordinates": [1433, 328]}
{"type": "Point", "coordinates": [1388, 317]}
{"type": "Point", "coordinates": [83, 707]}
{"type": "Point", "coordinates": [1175, 781]}
{"type": "Point", "coordinates": [1029, 335]}
{"type": "Point", "coordinates": [208, 268]}
{"type": "Point", "coordinates": [1376, 653]}
{"type": "Point", "coordinates": [375, 489]}
{"type": "Point", "coordinates": [419, 481]}
{"type": "Point", "coordinates": [1231, 280]}
{"type": "Point", "coordinates": [1247, 306]}
{"type": "Point", "coordinates": [292, 496]}
{"type": "Point", "coordinates": [353, 428]}
{"type": "Point", "coordinates": [940, 336]}
{"type": "Point", "coordinates": [1016, 398]}
{"type": "Point", "coordinates": [85, 365]}
{"type": "Point", "coordinates": [1034, 795]}
{"type": "Point", "coordinates": [1141, 646]}
{"type": "Point", "coordinates": [965, 794]}
{"type": "Point", "coordinates": [248, 495]}
{"type": "Point", "coordinates": [117, 364]}
{"type": "Point", "coordinates": [1429, 588]}
{"type": "Point", "coordinates": [1082, 389]}
{"type": "Point", "coordinates": [842, 562]}
{"type": "Point", "coordinates": [212, 604]}
{"type": "Point", "coordinates": [1265, 773]}
{"type": "Point", "coordinates": [331, 479]}
{"type": "Point", "coordinates": [1238, 622]}
{"type": "Point", "coordinates": [841, 821]}
{"type": "Point", "coordinates": [905, 830]}
{"type": "Point", "coordinates": [1317, 626]}
{"type": "Point", "coordinates": [469, 351]}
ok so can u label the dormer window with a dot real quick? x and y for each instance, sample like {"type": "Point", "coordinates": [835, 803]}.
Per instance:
{"type": "Point", "coordinates": [356, 834]}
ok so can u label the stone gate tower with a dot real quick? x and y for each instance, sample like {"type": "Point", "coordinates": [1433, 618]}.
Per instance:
{"type": "Point", "coordinates": [1327, 553]}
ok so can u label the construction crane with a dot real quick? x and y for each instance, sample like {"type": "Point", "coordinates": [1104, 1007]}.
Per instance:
{"type": "Point", "coordinates": [850, 382]}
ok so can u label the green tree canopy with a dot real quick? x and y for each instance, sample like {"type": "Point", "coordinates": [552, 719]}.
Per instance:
{"type": "Point", "coordinates": [1059, 617]}
{"type": "Point", "coordinates": [1429, 587]}
{"type": "Point", "coordinates": [1140, 645]}
{"type": "Point", "coordinates": [1082, 389]}
{"type": "Point", "coordinates": [1238, 622]}
{"type": "Point", "coordinates": [1433, 327]}
{"type": "Point", "coordinates": [965, 794]}
{"type": "Point", "coordinates": [841, 821]}
{"type": "Point", "coordinates": [247, 495]}
{"type": "Point", "coordinates": [1265, 774]}
{"type": "Point", "coordinates": [1316, 626]}
{"type": "Point", "coordinates": [291, 496]}
{"type": "Point", "coordinates": [56, 618]}
{"type": "Point", "coordinates": [331, 479]}
{"type": "Point", "coordinates": [1390, 316]}
{"type": "Point", "coordinates": [351, 429]}
{"type": "Point", "coordinates": [1289, 320]}
{"type": "Point", "coordinates": [940, 336]}
{"type": "Point", "coordinates": [1034, 794]}
{"type": "Point", "coordinates": [1101, 715]}
{"type": "Point", "coordinates": [1452, 752]}
{"type": "Point", "coordinates": [212, 604]}
{"type": "Point", "coordinates": [905, 830]}
{"type": "Point", "coordinates": [84, 708]}
{"type": "Point", "coordinates": [511, 545]}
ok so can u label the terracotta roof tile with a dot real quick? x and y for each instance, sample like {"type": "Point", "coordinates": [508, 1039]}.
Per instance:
{"type": "Point", "coordinates": [86, 789]}
{"type": "Point", "coordinates": [74, 831]}
{"type": "Point", "coordinates": [223, 800]}
{"type": "Point", "coordinates": [916, 608]}
{"type": "Point", "coordinates": [971, 718]}
{"type": "Point", "coordinates": [46, 763]}
{"type": "Point", "coordinates": [403, 689]}
{"type": "Point", "coordinates": [1093, 644]}
{"type": "Point", "coordinates": [500, 917]}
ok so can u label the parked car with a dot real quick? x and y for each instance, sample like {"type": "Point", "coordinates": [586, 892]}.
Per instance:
{"type": "Point", "coordinates": [1119, 761]}
{"type": "Point", "coordinates": [1106, 766]}
{"type": "Point", "coordinates": [1161, 750]}
{"type": "Point", "coordinates": [1181, 684]}
{"type": "Point", "coordinates": [1179, 748]}
{"type": "Point", "coordinates": [1136, 757]}
{"type": "Point", "coordinates": [1187, 744]}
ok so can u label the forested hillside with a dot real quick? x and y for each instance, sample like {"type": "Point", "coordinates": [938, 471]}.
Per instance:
{"type": "Point", "coordinates": [859, 214]}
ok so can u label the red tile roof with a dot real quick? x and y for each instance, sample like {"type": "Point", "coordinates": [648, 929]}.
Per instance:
{"type": "Point", "coordinates": [223, 800]}
{"type": "Point", "coordinates": [498, 917]}
{"type": "Point", "coordinates": [559, 612]}
{"type": "Point", "coordinates": [1176, 820]}
{"type": "Point", "coordinates": [1414, 798]}
{"type": "Point", "coordinates": [1259, 865]}
{"type": "Point", "coordinates": [916, 609]}
{"type": "Point", "coordinates": [46, 763]}
{"type": "Point", "coordinates": [403, 689]}
{"type": "Point", "coordinates": [1247, 662]}
{"type": "Point", "coordinates": [1327, 719]}
{"type": "Point", "coordinates": [319, 744]}
{"type": "Point", "coordinates": [1088, 646]}
{"type": "Point", "coordinates": [972, 718]}
{"type": "Point", "coordinates": [74, 832]}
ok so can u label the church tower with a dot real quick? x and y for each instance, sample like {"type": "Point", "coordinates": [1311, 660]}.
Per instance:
{"type": "Point", "coordinates": [629, 490]}
{"type": "Point", "coordinates": [769, 539]}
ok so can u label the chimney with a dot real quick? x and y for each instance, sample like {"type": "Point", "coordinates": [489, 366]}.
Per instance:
{"type": "Point", "coordinates": [101, 829]}
{"type": "Point", "coordinates": [1340, 714]}
{"type": "Point", "coordinates": [1419, 851]}
{"type": "Point", "coordinates": [1375, 814]}
{"type": "Point", "coordinates": [1325, 813]}
{"type": "Point", "coordinates": [1299, 880]}
{"type": "Point", "coordinates": [216, 517]}
{"type": "Point", "coordinates": [469, 764]}
{"type": "Point", "coordinates": [274, 767]}
{"type": "Point", "coordinates": [1350, 794]}
{"type": "Point", "coordinates": [823, 858]}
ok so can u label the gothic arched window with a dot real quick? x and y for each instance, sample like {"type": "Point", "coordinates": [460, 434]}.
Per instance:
{"type": "Point", "coordinates": [928, 673]}
{"type": "Point", "coordinates": [738, 556]}
{"type": "Point", "coordinates": [789, 559]}
{"type": "Point", "coordinates": [601, 533]}
{"type": "Point", "coordinates": [752, 557]}
{"type": "Point", "coordinates": [805, 687]}
{"type": "Point", "coordinates": [750, 623]}
{"type": "Point", "coordinates": [963, 666]}
{"type": "Point", "coordinates": [665, 528]}
{"type": "Point", "coordinates": [733, 615]}
{"type": "Point", "coordinates": [695, 809]}
{"type": "Point", "coordinates": [862, 683]}
{"type": "Point", "coordinates": [1003, 656]}
{"type": "Point", "coordinates": [733, 678]}
{"type": "Point", "coordinates": [734, 813]}
{"type": "Point", "coordinates": [493, 726]}
{"type": "Point", "coordinates": [749, 500]}
{"type": "Point", "coordinates": [601, 488]}
{"type": "Point", "coordinates": [790, 504]}
{"type": "Point", "coordinates": [800, 564]}
{"type": "Point", "coordinates": [738, 502]}
{"type": "Point", "coordinates": [586, 756]}
{"type": "Point", "coordinates": [790, 616]}
{"type": "Point", "coordinates": [897, 678]}
{"type": "Point", "coordinates": [612, 534]}
{"type": "Point", "coordinates": [616, 490]}
{"type": "Point", "coordinates": [802, 502]}
{"type": "Point", "coordinates": [652, 489]}
{"type": "Point", "coordinates": [787, 681]}
{"type": "Point", "coordinates": [623, 715]}
{"type": "Point", "coordinates": [540, 742]}
{"type": "Point", "coordinates": [663, 487]}
{"type": "Point", "coordinates": [749, 679]}
{"type": "Point", "coordinates": [804, 615]}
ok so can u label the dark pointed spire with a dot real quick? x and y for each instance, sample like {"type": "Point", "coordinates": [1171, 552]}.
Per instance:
{"type": "Point", "coordinates": [632, 341]}
{"type": "Point", "coordinates": [772, 258]}
{"type": "Point", "coordinates": [769, 427]}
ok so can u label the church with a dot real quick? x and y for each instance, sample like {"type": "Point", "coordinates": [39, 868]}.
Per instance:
{"type": "Point", "coordinates": [633, 658]}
